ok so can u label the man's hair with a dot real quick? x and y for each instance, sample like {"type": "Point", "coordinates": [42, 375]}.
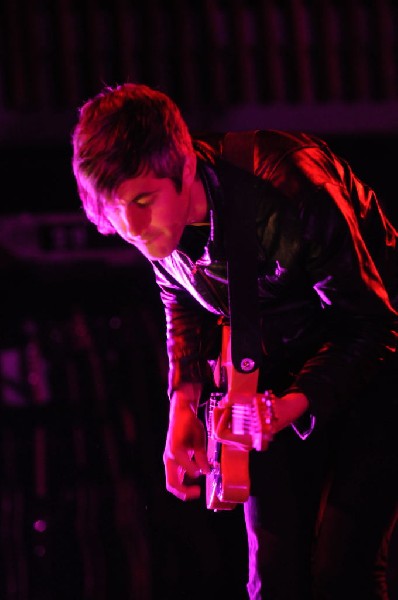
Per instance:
{"type": "Point", "coordinates": [124, 132]}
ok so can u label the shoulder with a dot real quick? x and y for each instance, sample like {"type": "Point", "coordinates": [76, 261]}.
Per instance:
{"type": "Point", "coordinates": [292, 168]}
{"type": "Point", "coordinates": [297, 156]}
{"type": "Point", "coordinates": [272, 154]}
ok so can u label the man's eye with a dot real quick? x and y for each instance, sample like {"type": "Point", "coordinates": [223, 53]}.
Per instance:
{"type": "Point", "coordinates": [143, 200]}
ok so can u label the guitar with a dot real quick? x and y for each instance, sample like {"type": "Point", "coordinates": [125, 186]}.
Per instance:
{"type": "Point", "coordinates": [238, 420]}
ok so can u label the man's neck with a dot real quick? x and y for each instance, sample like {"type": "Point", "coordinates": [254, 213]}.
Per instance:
{"type": "Point", "coordinates": [199, 213]}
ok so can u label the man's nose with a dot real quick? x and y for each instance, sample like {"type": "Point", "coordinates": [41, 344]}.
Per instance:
{"type": "Point", "coordinates": [138, 219]}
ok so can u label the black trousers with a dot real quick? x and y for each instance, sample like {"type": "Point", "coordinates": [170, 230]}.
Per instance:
{"type": "Point", "coordinates": [321, 510]}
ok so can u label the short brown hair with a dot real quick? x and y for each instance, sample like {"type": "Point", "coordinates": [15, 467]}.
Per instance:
{"type": "Point", "coordinates": [122, 133]}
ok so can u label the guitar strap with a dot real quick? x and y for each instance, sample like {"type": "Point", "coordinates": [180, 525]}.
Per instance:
{"type": "Point", "coordinates": [241, 252]}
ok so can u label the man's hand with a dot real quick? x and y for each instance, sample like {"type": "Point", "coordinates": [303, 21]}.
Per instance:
{"type": "Point", "coordinates": [185, 451]}
{"type": "Point", "coordinates": [288, 409]}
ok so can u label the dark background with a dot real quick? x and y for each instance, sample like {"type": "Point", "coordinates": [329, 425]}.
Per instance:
{"type": "Point", "coordinates": [83, 510]}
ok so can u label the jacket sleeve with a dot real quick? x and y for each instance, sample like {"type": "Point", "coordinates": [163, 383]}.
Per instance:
{"type": "Point", "coordinates": [361, 325]}
{"type": "Point", "coordinates": [193, 335]}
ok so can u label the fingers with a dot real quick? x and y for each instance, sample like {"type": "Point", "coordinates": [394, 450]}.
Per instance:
{"type": "Point", "coordinates": [187, 462]}
{"type": "Point", "coordinates": [182, 467]}
{"type": "Point", "coordinates": [202, 462]}
{"type": "Point", "coordinates": [175, 480]}
{"type": "Point", "coordinates": [185, 454]}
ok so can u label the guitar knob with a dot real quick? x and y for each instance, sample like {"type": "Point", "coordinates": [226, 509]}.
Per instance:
{"type": "Point", "coordinates": [247, 364]}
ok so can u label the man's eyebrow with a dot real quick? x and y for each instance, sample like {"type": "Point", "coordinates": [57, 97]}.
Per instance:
{"type": "Point", "coordinates": [144, 193]}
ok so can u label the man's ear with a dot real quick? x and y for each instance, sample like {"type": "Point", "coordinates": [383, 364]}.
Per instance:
{"type": "Point", "coordinates": [189, 170]}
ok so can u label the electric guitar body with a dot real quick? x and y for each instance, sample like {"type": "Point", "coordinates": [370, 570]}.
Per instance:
{"type": "Point", "coordinates": [238, 420]}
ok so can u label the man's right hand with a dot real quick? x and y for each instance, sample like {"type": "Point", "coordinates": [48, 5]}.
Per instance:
{"type": "Point", "coordinates": [185, 451]}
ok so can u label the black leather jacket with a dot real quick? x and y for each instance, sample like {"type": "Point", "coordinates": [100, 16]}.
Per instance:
{"type": "Point", "coordinates": [327, 323]}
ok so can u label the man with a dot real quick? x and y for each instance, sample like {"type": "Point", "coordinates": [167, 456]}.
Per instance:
{"type": "Point", "coordinates": [324, 495]}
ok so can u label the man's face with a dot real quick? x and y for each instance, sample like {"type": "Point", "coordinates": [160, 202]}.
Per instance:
{"type": "Point", "coordinates": [148, 212]}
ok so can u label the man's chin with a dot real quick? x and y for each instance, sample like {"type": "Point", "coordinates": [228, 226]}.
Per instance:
{"type": "Point", "coordinates": [158, 247]}
{"type": "Point", "coordinates": [156, 253]}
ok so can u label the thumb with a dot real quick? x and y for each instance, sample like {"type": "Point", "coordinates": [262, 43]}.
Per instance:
{"type": "Point", "coordinates": [202, 461]}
